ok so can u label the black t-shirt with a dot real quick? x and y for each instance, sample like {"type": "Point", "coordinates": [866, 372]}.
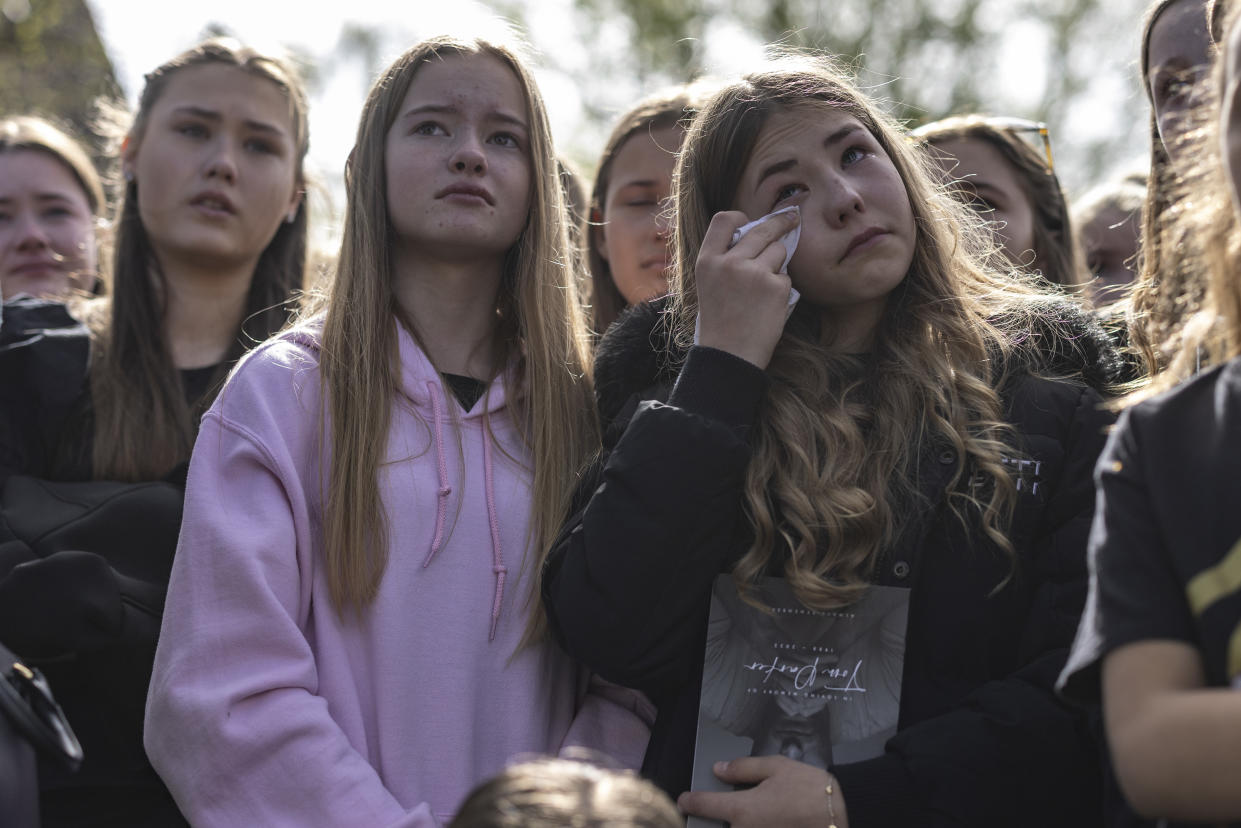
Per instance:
{"type": "Point", "coordinates": [1165, 548]}
{"type": "Point", "coordinates": [467, 390]}
{"type": "Point", "coordinates": [197, 382]}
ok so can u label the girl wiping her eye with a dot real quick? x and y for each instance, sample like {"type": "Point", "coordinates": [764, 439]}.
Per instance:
{"type": "Point", "coordinates": [919, 422]}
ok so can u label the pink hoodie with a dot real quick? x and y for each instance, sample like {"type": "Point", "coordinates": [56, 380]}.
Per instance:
{"type": "Point", "coordinates": [266, 708]}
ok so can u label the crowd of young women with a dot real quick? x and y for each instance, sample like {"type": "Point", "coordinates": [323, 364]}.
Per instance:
{"type": "Point", "coordinates": [446, 512]}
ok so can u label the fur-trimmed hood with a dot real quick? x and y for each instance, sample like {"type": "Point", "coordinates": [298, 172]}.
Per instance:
{"type": "Point", "coordinates": [1056, 338]}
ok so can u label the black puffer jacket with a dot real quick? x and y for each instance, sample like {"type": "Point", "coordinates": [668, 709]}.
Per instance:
{"type": "Point", "coordinates": [84, 567]}
{"type": "Point", "coordinates": [982, 738]}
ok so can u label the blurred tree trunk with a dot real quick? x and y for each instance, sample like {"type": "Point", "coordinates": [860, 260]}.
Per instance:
{"type": "Point", "coordinates": [53, 63]}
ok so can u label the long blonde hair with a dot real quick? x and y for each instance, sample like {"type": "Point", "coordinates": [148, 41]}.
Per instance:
{"type": "Point", "coordinates": [835, 460]}
{"type": "Point", "coordinates": [542, 329]}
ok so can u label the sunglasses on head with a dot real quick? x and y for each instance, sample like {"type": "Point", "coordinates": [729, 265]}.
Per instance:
{"type": "Point", "coordinates": [1023, 128]}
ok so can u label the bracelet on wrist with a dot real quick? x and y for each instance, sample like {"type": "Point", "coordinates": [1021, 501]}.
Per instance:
{"type": "Point", "coordinates": [831, 802]}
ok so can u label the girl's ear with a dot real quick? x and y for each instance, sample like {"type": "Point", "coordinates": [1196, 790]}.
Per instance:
{"type": "Point", "coordinates": [129, 157]}
{"type": "Point", "coordinates": [298, 195]}
{"type": "Point", "coordinates": [597, 234]}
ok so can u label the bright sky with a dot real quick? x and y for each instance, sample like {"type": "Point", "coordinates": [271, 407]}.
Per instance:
{"type": "Point", "coordinates": [141, 34]}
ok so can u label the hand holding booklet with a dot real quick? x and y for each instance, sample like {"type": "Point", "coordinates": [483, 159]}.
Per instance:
{"type": "Point", "coordinates": [821, 687]}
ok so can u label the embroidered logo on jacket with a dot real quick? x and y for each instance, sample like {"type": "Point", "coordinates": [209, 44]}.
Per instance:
{"type": "Point", "coordinates": [1027, 474]}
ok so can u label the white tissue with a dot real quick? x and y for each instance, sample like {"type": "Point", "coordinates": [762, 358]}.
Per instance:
{"type": "Point", "coordinates": [789, 239]}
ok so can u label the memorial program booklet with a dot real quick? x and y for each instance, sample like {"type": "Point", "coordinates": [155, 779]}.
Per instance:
{"type": "Point", "coordinates": [823, 687]}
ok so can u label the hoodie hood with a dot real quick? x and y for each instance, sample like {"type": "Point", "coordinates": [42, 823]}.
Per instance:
{"type": "Point", "coordinates": [416, 371]}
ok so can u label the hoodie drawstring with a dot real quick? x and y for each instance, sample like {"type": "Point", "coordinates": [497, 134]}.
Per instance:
{"type": "Point", "coordinates": [497, 554]}
{"type": "Point", "coordinates": [441, 508]}
{"type": "Point", "coordinates": [441, 511]}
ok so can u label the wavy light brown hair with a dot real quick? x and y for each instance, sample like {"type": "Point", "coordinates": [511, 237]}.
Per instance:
{"type": "Point", "coordinates": [835, 459]}
{"type": "Point", "coordinates": [664, 109]}
{"type": "Point", "coordinates": [542, 330]}
{"type": "Point", "coordinates": [1056, 254]}
{"type": "Point", "coordinates": [143, 424]}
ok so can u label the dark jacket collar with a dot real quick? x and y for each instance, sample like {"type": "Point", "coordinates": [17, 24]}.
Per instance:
{"type": "Point", "coordinates": [1056, 337]}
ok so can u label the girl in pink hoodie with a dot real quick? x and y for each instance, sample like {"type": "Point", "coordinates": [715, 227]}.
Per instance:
{"type": "Point", "coordinates": [353, 635]}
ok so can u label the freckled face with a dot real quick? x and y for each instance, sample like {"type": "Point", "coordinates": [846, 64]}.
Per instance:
{"type": "Point", "coordinates": [633, 238]}
{"type": "Point", "coordinates": [1178, 57]}
{"type": "Point", "coordinates": [458, 160]}
{"type": "Point", "coordinates": [47, 232]}
{"type": "Point", "coordinates": [995, 193]}
{"type": "Point", "coordinates": [857, 226]}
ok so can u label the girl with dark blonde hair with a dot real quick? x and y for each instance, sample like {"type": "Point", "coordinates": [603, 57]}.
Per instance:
{"type": "Point", "coordinates": [97, 417]}
{"type": "Point", "coordinates": [903, 428]}
{"type": "Point", "coordinates": [1160, 641]}
{"type": "Point", "coordinates": [354, 635]}
{"type": "Point", "coordinates": [1013, 187]}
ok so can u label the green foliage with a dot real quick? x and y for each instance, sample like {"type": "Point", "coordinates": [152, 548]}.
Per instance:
{"type": "Point", "coordinates": [1066, 62]}
{"type": "Point", "coordinates": [664, 35]}
{"type": "Point", "coordinates": [926, 58]}
{"type": "Point", "coordinates": [932, 55]}
{"type": "Point", "coordinates": [52, 63]}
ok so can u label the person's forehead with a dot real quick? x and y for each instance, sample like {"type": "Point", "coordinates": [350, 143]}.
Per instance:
{"type": "Point", "coordinates": [468, 78]}
{"type": "Point", "coordinates": [1179, 36]}
{"type": "Point", "coordinates": [978, 161]}
{"type": "Point", "coordinates": [227, 90]}
{"type": "Point", "coordinates": [37, 170]}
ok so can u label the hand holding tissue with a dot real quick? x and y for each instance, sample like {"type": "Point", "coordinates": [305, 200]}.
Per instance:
{"type": "Point", "coordinates": [739, 280]}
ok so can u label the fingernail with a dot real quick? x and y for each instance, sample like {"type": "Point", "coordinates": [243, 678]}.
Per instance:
{"type": "Point", "coordinates": [720, 767]}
